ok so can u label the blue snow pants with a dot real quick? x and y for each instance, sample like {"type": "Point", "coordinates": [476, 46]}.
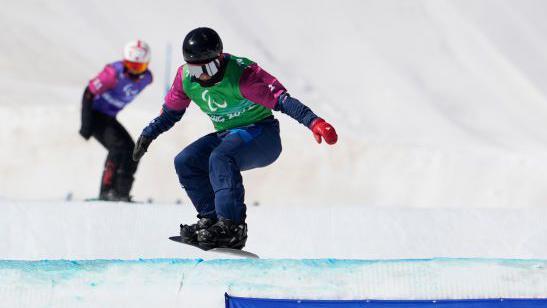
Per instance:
{"type": "Point", "coordinates": [210, 168]}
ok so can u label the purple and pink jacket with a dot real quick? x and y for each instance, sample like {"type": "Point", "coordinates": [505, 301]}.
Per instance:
{"type": "Point", "coordinates": [113, 89]}
{"type": "Point", "coordinates": [255, 85]}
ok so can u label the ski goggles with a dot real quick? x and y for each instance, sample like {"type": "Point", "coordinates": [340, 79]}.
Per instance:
{"type": "Point", "coordinates": [135, 67]}
{"type": "Point", "coordinates": [210, 68]}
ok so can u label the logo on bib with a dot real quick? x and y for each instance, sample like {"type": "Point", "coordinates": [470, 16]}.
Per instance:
{"type": "Point", "coordinates": [213, 105]}
{"type": "Point", "coordinates": [129, 91]}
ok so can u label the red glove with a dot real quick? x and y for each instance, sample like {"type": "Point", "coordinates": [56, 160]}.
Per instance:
{"type": "Point", "coordinates": [320, 128]}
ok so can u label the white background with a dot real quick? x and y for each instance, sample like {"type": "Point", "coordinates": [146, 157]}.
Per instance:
{"type": "Point", "coordinates": [437, 103]}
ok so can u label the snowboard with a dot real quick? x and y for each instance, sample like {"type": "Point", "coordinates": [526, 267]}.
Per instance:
{"type": "Point", "coordinates": [70, 197]}
{"type": "Point", "coordinates": [149, 201]}
{"type": "Point", "coordinates": [228, 251]}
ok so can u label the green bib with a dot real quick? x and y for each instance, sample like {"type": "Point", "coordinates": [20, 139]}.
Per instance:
{"type": "Point", "coordinates": [223, 102]}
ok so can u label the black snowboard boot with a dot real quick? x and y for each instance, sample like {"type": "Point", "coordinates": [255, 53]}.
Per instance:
{"type": "Point", "coordinates": [106, 195]}
{"type": "Point", "coordinates": [112, 195]}
{"type": "Point", "coordinates": [224, 234]}
{"type": "Point", "coordinates": [188, 233]}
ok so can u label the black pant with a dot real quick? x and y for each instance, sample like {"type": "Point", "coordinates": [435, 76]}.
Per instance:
{"type": "Point", "coordinates": [119, 167]}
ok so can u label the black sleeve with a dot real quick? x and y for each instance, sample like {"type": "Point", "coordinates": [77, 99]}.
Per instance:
{"type": "Point", "coordinates": [295, 109]}
{"type": "Point", "coordinates": [163, 122]}
{"type": "Point", "coordinates": [87, 113]}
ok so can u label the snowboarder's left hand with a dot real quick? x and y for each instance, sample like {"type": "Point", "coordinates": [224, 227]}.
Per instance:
{"type": "Point", "coordinates": [321, 128]}
{"type": "Point", "coordinates": [142, 145]}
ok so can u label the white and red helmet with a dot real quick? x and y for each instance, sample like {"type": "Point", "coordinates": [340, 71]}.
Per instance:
{"type": "Point", "coordinates": [136, 56]}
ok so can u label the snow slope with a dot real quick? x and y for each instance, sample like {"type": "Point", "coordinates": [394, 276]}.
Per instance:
{"type": "Point", "coordinates": [440, 106]}
{"type": "Point", "coordinates": [75, 231]}
{"type": "Point", "coordinates": [313, 253]}
{"type": "Point", "coordinates": [438, 103]}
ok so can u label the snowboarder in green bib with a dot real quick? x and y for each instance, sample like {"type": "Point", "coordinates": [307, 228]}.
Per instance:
{"type": "Point", "coordinates": [238, 96]}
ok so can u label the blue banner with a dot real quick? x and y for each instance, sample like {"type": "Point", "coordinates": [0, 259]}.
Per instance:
{"type": "Point", "coordinates": [242, 302]}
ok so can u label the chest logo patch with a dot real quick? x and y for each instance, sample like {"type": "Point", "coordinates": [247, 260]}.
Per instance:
{"type": "Point", "coordinates": [211, 103]}
{"type": "Point", "coordinates": [129, 91]}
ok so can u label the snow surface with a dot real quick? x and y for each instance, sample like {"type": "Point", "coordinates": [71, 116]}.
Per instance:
{"type": "Point", "coordinates": [309, 253]}
{"type": "Point", "coordinates": [105, 230]}
{"type": "Point", "coordinates": [199, 283]}
{"type": "Point", "coordinates": [440, 106]}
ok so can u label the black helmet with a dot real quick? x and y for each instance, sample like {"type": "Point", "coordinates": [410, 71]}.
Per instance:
{"type": "Point", "coordinates": [201, 45]}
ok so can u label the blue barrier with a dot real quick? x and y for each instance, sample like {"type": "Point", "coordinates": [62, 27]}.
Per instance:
{"type": "Point", "coordinates": [242, 302]}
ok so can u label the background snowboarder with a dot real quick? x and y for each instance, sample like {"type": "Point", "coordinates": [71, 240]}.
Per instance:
{"type": "Point", "coordinates": [238, 96]}
{"type": "Point", "coordinates": [108, 93]}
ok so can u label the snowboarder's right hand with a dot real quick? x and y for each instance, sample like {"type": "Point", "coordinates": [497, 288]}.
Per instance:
{"type": "Point", "coordinates": [142, 145]}
{"type": "Point", "coordinates": [322, 129]}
